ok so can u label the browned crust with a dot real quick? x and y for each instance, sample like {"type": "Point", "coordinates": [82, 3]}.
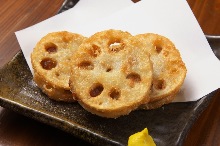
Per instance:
{"type": "Point", "coordinates": [55, 93]}
{"type": "Point", "coordinates": [159, 103]}
{"type": "Point", "coordinates": [55, 82]}
{"type": "Point", "coordinates": [168, 68]}
{"type": "Point", "coordinates": [115, 60]}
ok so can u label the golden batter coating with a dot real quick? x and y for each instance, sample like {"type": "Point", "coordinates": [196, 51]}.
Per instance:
{"type": "Point", "coordinates": [169, 71]}
{"type": "Point", "coordinates": [159, 103]}
{"type": "Point", "coordinates": [111, 74]}
{"type": "Point", "coordinates": [51, 63]}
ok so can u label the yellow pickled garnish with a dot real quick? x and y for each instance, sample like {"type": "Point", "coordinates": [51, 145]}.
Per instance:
{"type": "Point", "coordinates": [141, 139]}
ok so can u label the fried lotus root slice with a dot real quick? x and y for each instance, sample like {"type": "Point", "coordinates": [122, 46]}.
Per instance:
{"type": "Point", "coordinates": [169, 71]}
{"type": "Point", "coordinates": [50, 61]}
{"type": "Point", "coordinates": [111, 74]}
{"type": "Point", "coordinates": [159, 103]}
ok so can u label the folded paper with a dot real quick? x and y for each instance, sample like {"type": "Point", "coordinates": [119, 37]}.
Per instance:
{"type": "Point", "coordinates": [171, 18]}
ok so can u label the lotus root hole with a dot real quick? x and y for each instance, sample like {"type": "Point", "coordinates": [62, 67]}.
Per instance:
{"type": "Point", "coordinates": [67, 92]}
{"type": "Point", "coordinates": [114, 94]}
{"type": "Point", "coordinates": [57, 74]}
{"type": "Point", "coordinates": [48, 87]}
{"type": "Point", "coordinates": [100, 103]}
{"type": "Point", "coordinates": [159, 84]}
{"type": "Point", "coordinates": [96, 90]}
{"type": "Point", "coordinates": [174, 70]}
{"type": "Point", "coordinates": [48, 63]}
{"type": "Point", "coordinates": [108, 69]}
{"type": "Point", "coordinates": [116, 46]}
{"type": "Point", "coordinates": [50, 48]}
{"type": "Point", "coordinates": [86, 65]}
{"type": "Point", "coordinates": [158, 48]}
{"type": "Point", "coordinates": [135, 1]}
{"type": "Point", "coordinates": [134, 77]}
{"type": "Point", "coordinates": [95, 50]}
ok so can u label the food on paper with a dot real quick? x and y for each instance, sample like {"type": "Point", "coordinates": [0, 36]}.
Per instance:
{"type": "Point", "coordinates": [111, 74]}
{"type": "Point", "coordinates": [169, 71]}
{"type": "Point", "coordinates": [50, 60]}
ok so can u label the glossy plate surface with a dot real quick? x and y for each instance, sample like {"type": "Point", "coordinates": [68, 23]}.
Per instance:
{"type": "Point", "coordinates": [168, 125]}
